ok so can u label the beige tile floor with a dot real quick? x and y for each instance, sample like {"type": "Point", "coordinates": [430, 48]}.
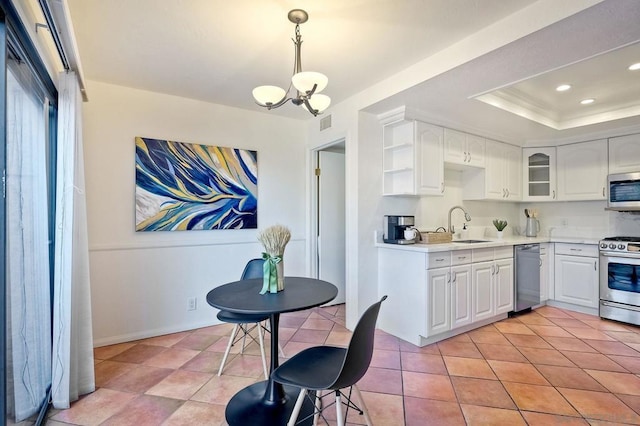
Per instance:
{"type": "Point", "coordinates": [550, 366]}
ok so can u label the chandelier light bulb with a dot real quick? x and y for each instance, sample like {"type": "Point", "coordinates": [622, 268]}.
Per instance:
{"type": "Point", "coordinates": [304, 81]}
{"type": "Point", "coordinates": [319, 103]}
{"type": "Point", "coordinates": [268, 95]}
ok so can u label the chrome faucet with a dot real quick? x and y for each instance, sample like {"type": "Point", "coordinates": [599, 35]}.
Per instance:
{"type": "Point", "coordinates": [466, 217]}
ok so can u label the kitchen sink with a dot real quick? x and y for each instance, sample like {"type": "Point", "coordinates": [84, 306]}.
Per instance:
{"type": "Point", "coordinates": [470, 241]}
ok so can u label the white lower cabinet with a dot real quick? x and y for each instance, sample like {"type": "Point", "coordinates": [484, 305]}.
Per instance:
{"type": "Point", "coordinates": [576, 274]}
{"type": "Point", "coordinates": [503, 279]}
{"type": "Point", "coordinates": [436, 295]}
{"type": "Point", "coordinates": [492, 288]}
{"type": "Point", "coordinates": [449, 297]}
{"type": "Point", "coordinates": [483, 294]}
{"type": "Point", "coordinates": [439, 301]}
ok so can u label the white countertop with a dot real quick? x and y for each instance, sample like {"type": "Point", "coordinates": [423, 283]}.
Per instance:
{"type": "Point", "coordinates": [490, 242]}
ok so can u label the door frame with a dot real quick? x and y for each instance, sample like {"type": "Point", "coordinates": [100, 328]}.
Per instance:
{"type": "Point", "coordinates": [313, 211]}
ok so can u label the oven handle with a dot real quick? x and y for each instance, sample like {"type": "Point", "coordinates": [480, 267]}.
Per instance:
{"type": "Point", "coordinates": [617, 305]}
{"type": "Point", "coordinates": [626, 256]}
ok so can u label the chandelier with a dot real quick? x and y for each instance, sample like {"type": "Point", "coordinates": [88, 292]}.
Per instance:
{"type": "Point", "coordinates": [308, 84]}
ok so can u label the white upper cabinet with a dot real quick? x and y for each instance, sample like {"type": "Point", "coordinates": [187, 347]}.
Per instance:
{"type": "Point", "coordinates": [412, 159]}
{"type": "Point", "coordinates": [463, 149]}
{"type": "Point", "coordinates": [624, 154]}
{"type": "Point", "coordinates": [582, 171]}
{"type": "Point", "coordinates": [501, 179]}
{"type": "Point", "coordinates": [539, 174]}
{"type": "Point", "coordinates": [429, 146]}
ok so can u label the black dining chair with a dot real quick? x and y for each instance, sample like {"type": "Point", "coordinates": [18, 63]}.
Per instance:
{"type": "Point", "coordinates": [332, 368]}
{"type": "Point", "coordinates": [245, 323]}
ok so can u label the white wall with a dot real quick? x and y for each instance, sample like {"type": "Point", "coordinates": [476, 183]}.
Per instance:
{"type": "Point", "coordinates": [140, 281]}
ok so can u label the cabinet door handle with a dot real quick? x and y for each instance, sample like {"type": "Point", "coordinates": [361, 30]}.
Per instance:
{"type": "Point", "coordinates": [497, 269]}
{"type": "Point", "coordinates": [462, 257]}
{"type": "Point", "coordinates": [554, 194]}
{"type": "Point", "coordinates": [441, 187]}
{"type": "Point", "coordinates": [508, 194]}
{"type": "Point", "coordinates": [453, 277]}
{"type": "Point", "coordinates": [440, 259]}
{"type": "Point", "coordinates": [504, 192]}
{"type": "Point", "coordinates": [603, 191]}
{"type": "Point", "coordinates": [469, 157]}
{"type": "Point", "coordinates": [595, 265]}
{"type": "Point", "coordinates": [493, 269]}
{"type": "Point", "coordinates": [575, 249]}
{"type": "Point", "coordinates": [448, 277]}
{"type": "Point", "coordinates": [541, 263]}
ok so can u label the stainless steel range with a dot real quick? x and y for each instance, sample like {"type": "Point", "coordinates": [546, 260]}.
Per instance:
{"type": "Point", "coordinates": [620, 279]}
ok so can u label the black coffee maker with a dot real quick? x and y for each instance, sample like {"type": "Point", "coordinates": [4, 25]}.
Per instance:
{"type": "Point", "coordinates": [394, 227]}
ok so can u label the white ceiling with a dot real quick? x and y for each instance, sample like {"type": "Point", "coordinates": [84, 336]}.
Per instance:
{"type": "Point", "coordinates": [218, 51]}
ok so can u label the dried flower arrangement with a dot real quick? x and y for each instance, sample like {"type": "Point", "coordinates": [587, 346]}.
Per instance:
{"type": "Point", "coordinates": [274, 239]}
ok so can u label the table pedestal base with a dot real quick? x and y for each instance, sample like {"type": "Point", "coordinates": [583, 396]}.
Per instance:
{"type": "Point", "coordinates": [248, 407]}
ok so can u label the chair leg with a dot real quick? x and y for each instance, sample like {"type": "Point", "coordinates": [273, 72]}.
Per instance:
{"type": "Point", "coordinates": [262, 354]}
{"type": "Point", "coordinates": [363, 406]}
{"type": "Point", "coordinates": [226, 352]}
{"type": "Point", "coordinates": [245, 330]}
{"type": "Point", "coordinates": [297, 408]}
{"type": "Point", "coordinates": [316, 415]}
{"type": "Point", "coordinates": [339, 418]}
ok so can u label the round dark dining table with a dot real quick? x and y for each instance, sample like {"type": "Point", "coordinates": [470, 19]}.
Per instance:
{"type": "Point", "coordinates": [268, 402]}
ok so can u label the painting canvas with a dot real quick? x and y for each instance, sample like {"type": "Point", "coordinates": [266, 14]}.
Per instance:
{"type": "Point", "coordinates": [183, 186]}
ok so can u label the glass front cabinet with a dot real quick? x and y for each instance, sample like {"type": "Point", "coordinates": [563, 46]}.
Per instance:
{"type": "Point", "coordinates": [539, 174]}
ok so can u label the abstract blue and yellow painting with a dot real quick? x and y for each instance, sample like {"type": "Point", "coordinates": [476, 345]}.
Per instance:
{"type": "Point", "coordinates": [183, 186]}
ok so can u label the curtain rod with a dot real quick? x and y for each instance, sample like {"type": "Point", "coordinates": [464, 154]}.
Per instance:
{"type": "Point", "coordinates": [61, 29]}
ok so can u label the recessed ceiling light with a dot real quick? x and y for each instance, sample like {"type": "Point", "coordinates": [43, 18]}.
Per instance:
{"type": "Point", "coordinates": [587, 101]}
{"type": "Point", "coordinates": [635, 67]}
{"type": "Point", "coordinates": [563, 87]}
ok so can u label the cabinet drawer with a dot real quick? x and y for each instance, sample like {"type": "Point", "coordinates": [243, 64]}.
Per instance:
{"type": "Point", "coordinates": [460, 257]}
{"type": "Point", "coordinates": [438, 259]}
{"type": "Point", "coordinates": [505, 252]}
{"type": "Point", "coordinates": [587, 250]}
{"type": "Point", "coordinates": [482, 254]}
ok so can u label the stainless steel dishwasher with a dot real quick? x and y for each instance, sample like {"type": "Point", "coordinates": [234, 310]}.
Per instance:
{"type": "Point", "coordinates": [527, 276]}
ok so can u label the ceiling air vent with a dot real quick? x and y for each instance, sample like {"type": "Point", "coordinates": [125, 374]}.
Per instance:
{"type": "Point", "coordinates": [325, 122]}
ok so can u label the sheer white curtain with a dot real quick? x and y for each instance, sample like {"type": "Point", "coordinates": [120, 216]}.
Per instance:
{"type": "Point", "coordinates": [73, 373]}
{"type": "Point", "coordinates": [28, 316]}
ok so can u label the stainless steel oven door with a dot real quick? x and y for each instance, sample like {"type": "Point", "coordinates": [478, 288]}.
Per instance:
{"type": "Point", "coordinates": [620, 278]}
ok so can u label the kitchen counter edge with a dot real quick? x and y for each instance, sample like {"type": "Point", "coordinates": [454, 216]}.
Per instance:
{"type": "Point", "coordinates": [512, 241]}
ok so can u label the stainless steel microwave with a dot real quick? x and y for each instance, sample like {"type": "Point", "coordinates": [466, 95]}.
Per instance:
{"type": "Point", "coordinates": [623, 192]}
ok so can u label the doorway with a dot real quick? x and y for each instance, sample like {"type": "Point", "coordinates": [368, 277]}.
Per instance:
{"type": "Point", "coordinates": [330, 229]}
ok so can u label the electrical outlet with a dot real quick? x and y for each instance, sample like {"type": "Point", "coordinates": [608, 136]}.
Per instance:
{"type": "Point", "coordinates": [192, 304]}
